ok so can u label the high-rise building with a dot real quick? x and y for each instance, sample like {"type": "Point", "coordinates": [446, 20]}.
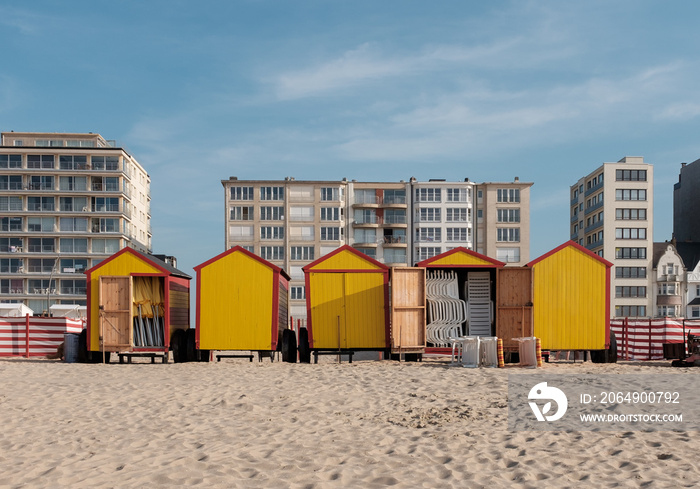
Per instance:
{"type": "Point", "coordinates": [293, 222]}
{"type": "Point", "coordinates": [67, 201]}
{"type": "Point", "coordinates": [611, 214]}
{"type": "Point", "coordinates": [686, 205]}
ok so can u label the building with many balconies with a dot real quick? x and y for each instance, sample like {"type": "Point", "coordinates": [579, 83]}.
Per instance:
{"type": "Point", "coordinates": [67, 201]}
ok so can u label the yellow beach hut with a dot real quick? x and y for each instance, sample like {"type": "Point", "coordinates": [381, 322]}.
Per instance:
{"type": "Point", "coordinates": [347, 302]}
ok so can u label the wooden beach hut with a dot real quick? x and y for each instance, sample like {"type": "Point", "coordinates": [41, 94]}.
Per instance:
{"type": "Point", "coordinates": [136, 305]}
{"type": "Point", "coordinates": [242, 304]}
{"type": "Point", "coordinates": [571, 288]}
{"type": "Point", "coordinates": [347, 302]}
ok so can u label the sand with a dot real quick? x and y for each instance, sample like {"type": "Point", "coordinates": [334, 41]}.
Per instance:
{"type": "Point", "coordinates": [273, 425]}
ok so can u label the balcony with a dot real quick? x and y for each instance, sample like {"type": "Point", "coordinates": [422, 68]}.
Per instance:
{"type": "Point", "coordinates": [395, 242]}
{"type": "Point", "coordinates": [393, 201]}
{"type": "Point", "coordinates": [367, 201]}
{"type": "Point", "coordinates": [395, 221]}
{"type": "Point", "coordinates": [367, 221]}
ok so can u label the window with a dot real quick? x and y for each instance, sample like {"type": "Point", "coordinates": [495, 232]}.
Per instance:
{"type": "Point", "coordinates": [241, 193]}
{"type": "Point", "coordinates": [249, 248]}
{"type": "Point", "coordinates": [667, 311]}
{"type": "Point", "coordinates": [630, 194]}
{"type": "Point", "coordinates": [508, 195]}
{"type": "Point", "coordinates": [395, 255]}
{"type": "Point", "coordinates": [428, 235]}
{"type": "Point", "coordinates": [428, 195]}
{"type": "Point", "coordinates": [105, 225]}
{"type": "Point", "coordinates": [394, 236]}
{"type": "Point", "coordinates": [272, 232]}
{"type": "Point", "coordinates": [72, 224]}
{"type": "Point", "coordinates": [11, 224]}
{"type": "Point", "coordinates": [301, 253]}
{"type": "Point", "coordinates": [366, 196]}
{"type": "Point", "coordinates": [458, 234]}
{"type": "Point", "coordinates": [72, 183]}
{"type": "Point", "coordinates": [12, 286]}
{"type": "Point", "coordinates": [241, 213]}
{"type": "Point", "coordinates": [301, 213]}
{"type": "Point", "coordinates": [40, 203]}
{"type": "Point", "coordinates": [271, 213]}
{"type": "Point", "coordinates": [633, 291]}
{"type": "Point", "coordinates": [630, 311]}
{"type": "Point", "coordinates": [695, 312]}
{"type": "Point", "coordinates": [11, 203]}
{"type": "Point", "coordinates": [479, 215]}
{"type": "Point", "coordinates": [631, 253]}
{"type": "Point", "coordinates": [105, 162]}
{"type": "Point", "coordinates": [508, 255]}
{"type": "Point", "coordinates": [70, 287]}
{"type": "Point", "coordinates": [301, 233]}
{"type": "Point", "coordinates": [237, 233]}
{"type": "Point", "coordinates": [457, 214]}
{"type": "Point", "coordinates": [508, 234]}
{"type": "Point", "coordinates": [631, 214]}
{"type": "Point", "coordinates": [429, 214]}
{"type": "Point", "coordinates": [107, 246]}
{"type": "Point", "coordinates": [457, 194]}
{"type": "Point", "coordinates": [271, 193]}
{"type": "Point", "coordinates": [38, 182]}
{"type": "Point", "coordinates": [105, 204]}
{"type": "Point", "coordinates": [38, 286]}
{"type": "Point", "coordinates": [331, 233]}
{"type": "Point", "coordinates": [41, 224]}
{"type": "Point", "coordinates": [508, 215]}
{"type": "Point", "coordinates": [10, 182]}
{"type": "Point", "coordinates": [425, 252]}
{"type": "Point", "coordinates": [630, 272]}
{"type": "Point", "coordinates": [365, 236]}
{"type": "Point", "coordinates": [631, 233]}
{"type": "Point", "coordinates": [330, 194]}
{"type": "Point", "coordinates": [73, 265]}
{"type": "Point", "coordinates": [330, 214]}
{"type": "Point", "coordinates": [73, 204]}
{"type": "Point", "coordinates": [395, 196]}
{"type": "Point", "coordinates": [365, 216]}
{"type": "Point", "coordinates": [40, 161]}
{"type": "Point", "coordinates": [11, 265]}
{"type": "Point", "coordinates": [11, 245]}
{"type": "Point", "coordinates": [668, 289]}
{"type": "Point", "coordinates": [272, 252]}
{"type": "Point", "coordinates": [394, 216]}
{"type": "Point", "coordinates": [297, 293]}
{"type": "Point", "coordinates": [74, 245]}
{"type": "Point", "coordinates": [41, 245]}
{"type": "Point", "coordinates": [105, 184]}
{"type": "Point", "coordinates": [41, 265]}
{"type": "Point", "coordinates": [70, 162]}
{"type": "Point", "coordinates": [631, 175]}
{"type": "Point", "coordinates": [10, 161]}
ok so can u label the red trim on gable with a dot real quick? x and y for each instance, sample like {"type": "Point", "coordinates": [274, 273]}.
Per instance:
{"type": "Point", "coordinates": [341, 249]}
{"type": "Point", "coordinates": [198, 305]}
{"type": "Point", "coordinates": [309, 326]}
{"type": "Point", "coordinates": [345, 270]}
{"type": "Point", "coordinates": [237, 249]}
{"type": "Point", "coordinates": [461, 249]}
{"type": "Point", "coordinates": [565, 245]}
{"type": "Point", "coordinates": [132, 251]}
{"type": "Point", "coordinates": [275, 309]}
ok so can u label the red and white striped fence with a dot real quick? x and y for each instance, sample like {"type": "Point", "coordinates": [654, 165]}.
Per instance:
{"type": "Point", "coordinates": [32, 336]}
{"type": "Point", "coordinates": [643, 339]}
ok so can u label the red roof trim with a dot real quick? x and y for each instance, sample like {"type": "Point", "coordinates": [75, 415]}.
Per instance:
{"type": "Point", "coordinates": [237, 249]}
{"type": "Point", "coordinates": [462, 249]}
{"type": "Point", "coordinates": [121, 252]}
{"type": "Point", "coordinates": [566, 245]}
{"type": "Point", "coordinates": [352, 250]}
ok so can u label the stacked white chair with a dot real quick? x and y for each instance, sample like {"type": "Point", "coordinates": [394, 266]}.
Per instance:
{"type": "Point", "coordinates": [446, 312]}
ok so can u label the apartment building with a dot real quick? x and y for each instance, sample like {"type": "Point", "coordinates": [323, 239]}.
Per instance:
{"type": "Point", "coordinates": [67, 201]}
{"type": "Point", "coordinates": [686, 205]}
{"type": "Point", "coordinates": [503, 221]}
{"type": "Point", "coordinates": [293, 222]}
{"type": "Point", "coordinates": [611, 214]}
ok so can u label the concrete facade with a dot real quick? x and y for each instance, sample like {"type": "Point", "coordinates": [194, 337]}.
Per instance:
{"type": "Point", "coordinates": [67, 201]}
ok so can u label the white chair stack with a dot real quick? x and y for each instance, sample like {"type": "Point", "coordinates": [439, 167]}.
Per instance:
{"type": "Point", "coordinates": [446, 312]}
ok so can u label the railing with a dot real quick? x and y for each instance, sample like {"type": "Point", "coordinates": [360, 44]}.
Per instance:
{"type": "Point", "coordinates": [394, 219]}
{"type": "Point", "coordinates": [396, 199]}
{"type": "Point", "coordinates": [368, 220]}
{"type": "Point", "coordinates": [394, 239]}
{"type": "Point", "coordinates": [367, 199]}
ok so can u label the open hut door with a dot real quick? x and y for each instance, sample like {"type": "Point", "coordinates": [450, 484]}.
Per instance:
{"type": "Point", "coordinates": [514, 305]}
{"type": "Point", "coordinates": [116, 332]}
{"type": "Point", "coordinates": [408, 313]}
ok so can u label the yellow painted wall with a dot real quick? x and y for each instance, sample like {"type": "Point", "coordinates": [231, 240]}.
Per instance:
{"type": "Point", "coordinates": [458, 258]}
{"type": "Point", "coordinates": [570, 301]}
{"type": "Point", "coordinates": [235, 304]}
{"type": "Point", "coordinates": [123, 265]}
{"type": "Point", "coordinates": [345, 260]}
{"type": "Point", "coordinates": [351, 304]}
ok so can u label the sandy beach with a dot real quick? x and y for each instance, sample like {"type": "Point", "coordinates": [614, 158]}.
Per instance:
{"type": "Point", "coordinates": [274, 425]}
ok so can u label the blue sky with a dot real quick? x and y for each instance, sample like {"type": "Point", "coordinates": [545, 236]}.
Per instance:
{"type": "Point", "coordinates": [200, 91]}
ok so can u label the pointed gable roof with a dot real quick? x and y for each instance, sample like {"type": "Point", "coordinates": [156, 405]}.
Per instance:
{"type": "Point", "coordinates": [241, 250]}
{"type": "Point", "coordinates": [461, 257]}
{"type": "Point", "coordinates": [345, 258]}
{"type": "Point", "coordinates": [574, 245]}
{"type": "Point", "coordinates": [150, 259]}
